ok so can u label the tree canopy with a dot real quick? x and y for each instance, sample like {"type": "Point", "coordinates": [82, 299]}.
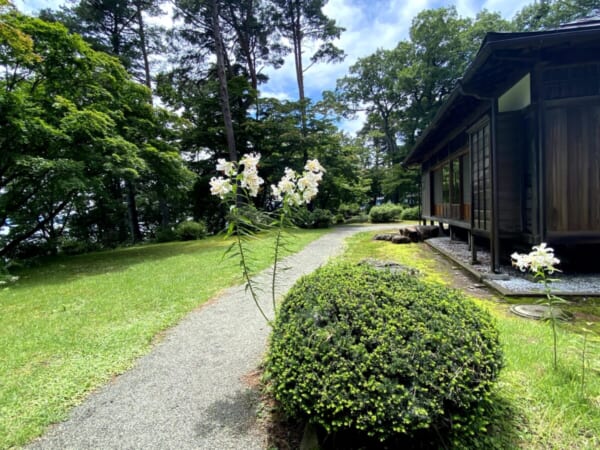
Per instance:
{"type": "Point", "coordinates": [88, 159]}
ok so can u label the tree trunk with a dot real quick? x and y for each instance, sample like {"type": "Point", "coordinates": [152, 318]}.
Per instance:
{"type": "Point", "coordinates": [297, 38]}
{"type": "Point", "coordinates": [143, 47]}
{"type": "Point", "coordinates": [134, 222]}
{"type": "Point", "coordinates": [224, 93]}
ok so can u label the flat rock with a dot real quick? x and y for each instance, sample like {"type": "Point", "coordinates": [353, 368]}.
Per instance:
{"type": "Point", "coordinates": [399, 239]}
{"type": "Point", "coordinates": [392, 266]}
{"type": "Point", "coordinates": [383, 237]}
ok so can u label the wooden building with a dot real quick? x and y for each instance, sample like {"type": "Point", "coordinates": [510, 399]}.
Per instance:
{"type": "Point", "coordinates": [513, 156]}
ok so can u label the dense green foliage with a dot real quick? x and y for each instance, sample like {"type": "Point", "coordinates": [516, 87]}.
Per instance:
{"type": "Point", "coordinates": [412, 213]}
{"type": "Point", "coordinates": [356, 348]}
{"type": "Point", "coordinates": [349, 210]}
{"type": "Point", "coordinates": [388, 212]}
{"type": "Point", "coordinates": [190, 230]}
{"type": "Point", "coordinates": [75, 131]}
{"type": "Point", "coordinates": [88, 161]}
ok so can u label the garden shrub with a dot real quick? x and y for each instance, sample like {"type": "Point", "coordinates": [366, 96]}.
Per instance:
{"type": "Point", "coordinates": [362, 218]}
{"type": "Point", "coordinates": [349, 210]}
{"type": "Point", "coordinates": [70, 246]}
{"type": "Point", "coordinates": [165, 234]}
{"type": "Point", "coordinates": [319, 218]}
{"type": "Point", "coordinates": [388, 212]}
{"type": "Point", "coordinates": [383, 354]}
{"type": "Point", "coordinates": [190, 230]}
{"type": "Point", "coordinates": [339, 219]}
{"type": "Point", "coordinates": [412, 213]}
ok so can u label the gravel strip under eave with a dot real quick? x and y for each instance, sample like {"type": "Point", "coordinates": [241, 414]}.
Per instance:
{"type": "Point", "coordinates": [517, 283]}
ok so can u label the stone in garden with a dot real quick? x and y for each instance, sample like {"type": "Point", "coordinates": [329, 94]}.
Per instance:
{"type": "Point", "coordinates": [540, 312]}
{"type": "Point", "coordinates": [390, 265]}
{"type": "Point", "coordinates": [410, 232]}
{"type": "Point", "coordinates": [399, 239]}
{"type": "Point", "coordinates": [428, 231]}
{"type": "Point", "coordinates": [383, 237]}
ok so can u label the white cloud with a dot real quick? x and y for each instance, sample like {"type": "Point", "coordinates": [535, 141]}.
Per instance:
{"type": "Point", "coordinates": [31, 6]}
{"type": "Point", "coordinates": [507, 8]}
{"type": "Point", "coordinates": [466, 8]}
{"type": "Point", "coordinates": [353, 126]}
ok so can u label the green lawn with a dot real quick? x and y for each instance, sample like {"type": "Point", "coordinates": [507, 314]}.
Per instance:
{"type": "Point", "coordinates": [538, 407]}
{"type": "Point", "coordinates": [69, 325]}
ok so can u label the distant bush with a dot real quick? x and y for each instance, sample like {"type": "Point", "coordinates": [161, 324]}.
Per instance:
{"type": "Point", "coordinates": [349, 210]}
{"type": "Point", "coordinates": [165, 235]}
{"type": "Point", "coordinates": [412, 213]}
{"type": "Point", "coordinates": [388, 212]}
{"type": "Point", "coordinates": [190, 230]}
{"type": "Point", "coordinates": [362, 218]}
{"type": "Point", "coordinates": [319, 218]}
{"type": "Point", "coordinates": [70, 246]}
{"type": "Point", "coordinates": [339, 219]}
{"type": "Point", "coordinates": [381, 354]}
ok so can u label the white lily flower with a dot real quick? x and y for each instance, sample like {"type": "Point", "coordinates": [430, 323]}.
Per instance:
{"type": "Point", "coordinates": [313, 165]}
{"type": "Point", "coordinates": [250, 161]}
{"type": "Point", "coordinates": [220, 186]}
{"type": "Point", "coordinates": [227, 167]}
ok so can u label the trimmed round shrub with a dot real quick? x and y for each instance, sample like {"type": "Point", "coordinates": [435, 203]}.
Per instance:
{"type": "Point", "coordinates": [383, 354]}
{"type": "Point", "coordinates": [190, 230]}
{"type": "Point", "coordinates": [388, 212]}
{"type": "Point", "coordinates": [411, 213]}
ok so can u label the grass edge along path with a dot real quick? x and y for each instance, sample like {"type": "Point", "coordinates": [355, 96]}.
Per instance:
{"type": "Point", "coordinates": [69, 325]}
{"type": "Point", "coordinates": [537, 407]}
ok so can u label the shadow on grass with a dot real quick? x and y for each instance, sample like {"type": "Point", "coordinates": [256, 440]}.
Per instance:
{"type": "Point", "coordinates": [61, 269]}
{"type": "Point", "coordinates": [498, 426]}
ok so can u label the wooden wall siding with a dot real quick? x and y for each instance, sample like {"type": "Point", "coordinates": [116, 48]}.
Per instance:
{"type": "Point", "coordinates": [426, 194]}
{"type": "Point", "coordinates": [481, 183]}
{"type": "Point", "coordinates": [510, 139]}
{"type": "Point", "coordinates": [572, 146]}
{"type": "Point", "coordinates": [466, 212]}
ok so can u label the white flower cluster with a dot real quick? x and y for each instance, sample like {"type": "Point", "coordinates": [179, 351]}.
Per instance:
{"type": "Point", "coordinates": [295, 190]}
{"type": "Point", "coordinates": [249, 178]}
{"type": "Point", "coordinates": [541, 259]}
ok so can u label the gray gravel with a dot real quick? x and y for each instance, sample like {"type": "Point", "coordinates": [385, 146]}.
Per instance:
{"type": "Point", "coordinates": [518, 282]}
{"type": "Point", "coordinates": [189, 392]}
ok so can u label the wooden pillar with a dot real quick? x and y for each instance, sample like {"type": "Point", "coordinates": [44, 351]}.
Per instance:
{"type": "Point", "coordinates": [473, 248]}
{"type": "Point", "coordinates": [540, 160]}
{"type": "Point", "coordinates": [494, 230]}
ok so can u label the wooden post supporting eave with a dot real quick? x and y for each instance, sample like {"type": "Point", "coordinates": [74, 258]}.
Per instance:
{"type": "Point", "coordinates": [494, 232]}
{"type": "Point", "coordinates": [540, 160]}
{"type": "Point", "coordinates": [471, 235]}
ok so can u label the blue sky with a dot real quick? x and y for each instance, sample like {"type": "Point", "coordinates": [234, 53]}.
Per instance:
{"type": "Point", "coordinates": [369, 24]}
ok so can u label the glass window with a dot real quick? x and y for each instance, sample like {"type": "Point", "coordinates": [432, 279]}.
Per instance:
{"type": "Point", "coordinates": [446, 184]}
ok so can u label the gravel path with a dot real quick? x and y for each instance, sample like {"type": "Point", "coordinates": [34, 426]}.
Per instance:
{"type": "Point", "coordinates": [189, 392]}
